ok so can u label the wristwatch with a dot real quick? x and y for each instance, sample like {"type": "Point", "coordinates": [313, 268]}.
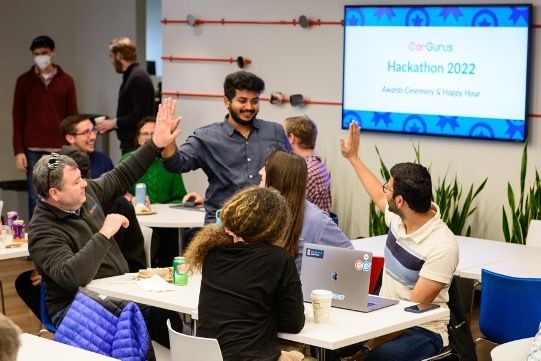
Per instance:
{"type": "Point", "coordinates": [366, 350]}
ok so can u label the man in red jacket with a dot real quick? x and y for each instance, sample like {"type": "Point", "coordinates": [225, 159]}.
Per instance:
{"type": "Point", "coordinates": [44, 95]}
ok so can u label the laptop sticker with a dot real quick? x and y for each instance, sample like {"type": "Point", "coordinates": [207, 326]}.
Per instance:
{"type": "Point", "coordinates": [314, 253]}
{"type": "Point", "coordinates": [362, 265]}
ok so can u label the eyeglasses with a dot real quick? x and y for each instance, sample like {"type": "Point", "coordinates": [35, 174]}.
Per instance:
{"type": "Point", "coordinates": [146, 134]}
{"type": "Point", "coordinates": [52, 164]}
{"type": "Point", "coordinates": [387, 188]}
{"type": "Point", "coordinates": [87, 132]}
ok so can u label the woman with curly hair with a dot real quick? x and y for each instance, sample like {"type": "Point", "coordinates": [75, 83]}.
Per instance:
{"type": "Point", "coordinates": [250, 288]}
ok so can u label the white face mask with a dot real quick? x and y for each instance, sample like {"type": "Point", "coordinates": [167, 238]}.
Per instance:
{"type": "Point", "coordinates": [42, 61]}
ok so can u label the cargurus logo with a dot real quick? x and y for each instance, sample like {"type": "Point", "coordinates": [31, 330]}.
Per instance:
{"type": "Point", "coordinates": [430, 46]}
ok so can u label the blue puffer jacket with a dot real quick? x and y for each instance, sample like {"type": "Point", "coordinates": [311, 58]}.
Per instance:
{"type": "Point", "coordinates": [89, 324]}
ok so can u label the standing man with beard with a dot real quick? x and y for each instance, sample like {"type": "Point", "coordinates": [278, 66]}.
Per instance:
{"type": "Point", "coordinates": [230, 152]}
{"type": "Point", "coordinates": [135, 97]}
{"type": "Point", "coordinates": [44, 95]}
{"type": "Point", "coordinates": [421, 254]}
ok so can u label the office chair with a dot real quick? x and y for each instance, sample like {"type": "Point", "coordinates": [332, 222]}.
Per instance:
{"type": "Point", "coordinates": [147, 237]}
{"type": "Point", "coordinates": [46, 320]}
{"type": "Point", "coordinates": [509, 308]}
{"type": "Point", "coordinates": [2, 298]}
{"type": "Point", "coordinates": [461, 346]}
{"type": "Point", "coordinates": [193, 348]}
{"type": "Point", "coordinates": [376, 274]}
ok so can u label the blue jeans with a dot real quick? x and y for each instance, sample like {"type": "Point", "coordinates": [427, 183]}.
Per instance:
{"type": "Point", "coordinates": [32, 158]}
{"type": "Point", "coordinates": [414, 344]}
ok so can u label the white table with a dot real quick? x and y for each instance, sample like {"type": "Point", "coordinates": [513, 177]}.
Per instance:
{"type": "Point", "coordinates": [38, 348]}
{"type": "Point", "coordinates": [349, 327]}
{"type": "Point", "coordinates": [474, 252]}
{"type": "Point", "coordinates": [528, 266]}
{"type": "Point", "coordinates": [8, 253]}
{"type": "Point", "coordinates": [15, 252]}
{"type": "Point", "coordinates": [375, 244]}
{"type": "Point", "coordinates": [184, 299]}
{"type": "Point", "coordinates": [167, 217]}
{"type": "Point", "coordinates": [345, 328]}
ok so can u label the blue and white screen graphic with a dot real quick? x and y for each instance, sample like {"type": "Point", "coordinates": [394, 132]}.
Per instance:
{"type": "Point", "coordinates": [456, 71]}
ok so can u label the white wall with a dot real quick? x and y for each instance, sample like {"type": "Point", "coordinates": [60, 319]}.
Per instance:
{"type": "Point", "coordinates": [309, 61]}
{"type": "Point", "coordinates": [81, 30]}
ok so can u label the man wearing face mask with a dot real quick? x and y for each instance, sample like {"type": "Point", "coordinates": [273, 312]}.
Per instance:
{"type": "Point", "coordinates": [44, 95]}
{"type": "Point", "coordinates": [135, 97]}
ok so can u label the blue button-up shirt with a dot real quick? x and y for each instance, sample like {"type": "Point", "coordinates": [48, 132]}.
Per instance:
{"type": "Point", "coordinates": [229, 160]}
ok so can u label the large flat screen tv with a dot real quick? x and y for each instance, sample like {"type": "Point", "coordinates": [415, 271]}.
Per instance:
{"type": "Point", "coordinates": [454, 71]}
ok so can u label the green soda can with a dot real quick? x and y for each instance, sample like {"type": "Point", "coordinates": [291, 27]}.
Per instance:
{"type": "Point", "coordinates": [180, 276]}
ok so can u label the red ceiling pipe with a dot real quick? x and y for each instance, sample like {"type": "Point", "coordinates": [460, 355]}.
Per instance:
{"type": "Point", "coordinates": [293, 22]}
{"type": "Point", "coordinates": [223, 60]}
{"type": "Point", "coordinates": [187, 94]}
{"type": "Point", "coordinates": [213, 95]}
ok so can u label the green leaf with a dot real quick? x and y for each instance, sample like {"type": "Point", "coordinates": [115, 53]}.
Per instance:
{"type": "Point", "coordinates": [505, 225]}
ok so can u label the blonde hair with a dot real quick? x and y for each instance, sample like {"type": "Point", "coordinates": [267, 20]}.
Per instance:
{"type": "Point", "coordinates": [257, 215]}
{"type": "Point", "coordinates": [125, 47]}
{"type": "Point", "coordinates": [304, 129]}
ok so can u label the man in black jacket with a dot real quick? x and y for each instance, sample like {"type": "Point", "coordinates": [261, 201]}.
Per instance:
{"type": "Point", "coordinates": [135, 97]}
{"type": "Point", "coordinates": [70, 237]}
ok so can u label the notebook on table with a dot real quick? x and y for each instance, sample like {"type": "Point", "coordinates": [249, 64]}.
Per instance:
{"type": "Point", "coordinates": [345, 272]}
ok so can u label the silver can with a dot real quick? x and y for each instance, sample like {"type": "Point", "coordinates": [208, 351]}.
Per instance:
{"type": "Point", "coordinates": [140, 193]}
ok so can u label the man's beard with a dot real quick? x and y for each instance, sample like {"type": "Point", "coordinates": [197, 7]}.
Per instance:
{"type": "Point", "coordinates": [392, 206]}
{"type": "Point", "coordinates": [118, 66]}
{"type": "Point", "coordinates": [238, 120]}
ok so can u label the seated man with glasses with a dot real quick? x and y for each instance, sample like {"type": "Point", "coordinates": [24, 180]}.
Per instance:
{"type": "Point", "coordinates": [79, 132]}
{"type": "Point", "coordinates": [421, 254]}
{"type": "Point", "coordinates": [71, 239]}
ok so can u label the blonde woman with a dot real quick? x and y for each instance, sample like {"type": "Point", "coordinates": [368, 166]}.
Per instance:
{"type": "Point", "coordinates": [250, 288]}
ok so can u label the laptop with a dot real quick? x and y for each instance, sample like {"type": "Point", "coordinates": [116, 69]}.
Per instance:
{"type": "Point", "coordinates": [345, 272]}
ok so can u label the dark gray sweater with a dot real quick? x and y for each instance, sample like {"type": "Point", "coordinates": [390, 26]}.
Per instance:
{"type": "Point", "coordinates": [67, 248]}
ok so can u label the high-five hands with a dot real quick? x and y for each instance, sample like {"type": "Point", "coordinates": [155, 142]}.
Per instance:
{"type": "Point", "coordinates": [166, 130]}
{"type": "Point", "coordinates": [350, 147]}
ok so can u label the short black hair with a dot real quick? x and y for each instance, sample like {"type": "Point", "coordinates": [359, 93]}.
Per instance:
{"type": "Point", "coordinates": [242, 80]}
{"type": "Point", "coordinates": [42, 41]}
{"type": "Point", "coordinates": [412, 182]}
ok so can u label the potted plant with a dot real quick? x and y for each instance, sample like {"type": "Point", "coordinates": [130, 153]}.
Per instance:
{"type": "Point", "coordinates": [515, 227]}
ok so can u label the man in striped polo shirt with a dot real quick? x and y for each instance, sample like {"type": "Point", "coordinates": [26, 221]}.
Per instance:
{"type": "Point", "coordinates": [421, 253]}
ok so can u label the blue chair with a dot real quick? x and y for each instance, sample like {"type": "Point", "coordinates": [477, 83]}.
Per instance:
{"type": "Point", "coordinates": [46, 320]}
{"type": "Point", "coordinates": [510, 307]}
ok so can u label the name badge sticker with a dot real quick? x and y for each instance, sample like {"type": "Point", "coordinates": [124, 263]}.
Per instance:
{"type": "Point", "coordinates": [315, 253]}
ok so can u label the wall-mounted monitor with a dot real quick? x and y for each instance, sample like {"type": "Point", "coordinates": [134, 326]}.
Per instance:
{"type": "Point", "coordinates": [455, 71]}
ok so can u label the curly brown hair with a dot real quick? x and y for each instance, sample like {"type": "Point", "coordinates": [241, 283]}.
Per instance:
{"type": "Point", "coordinates": [258, 215]}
